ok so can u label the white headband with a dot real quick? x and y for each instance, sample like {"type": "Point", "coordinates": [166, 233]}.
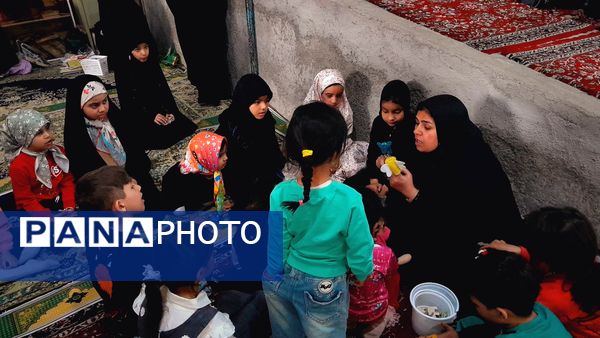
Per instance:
{"type": "Point", "coordinates": [90, 90]}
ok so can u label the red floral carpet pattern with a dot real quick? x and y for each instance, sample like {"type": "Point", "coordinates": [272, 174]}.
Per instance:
{"type": "Point", "coordinates": [557, 44]}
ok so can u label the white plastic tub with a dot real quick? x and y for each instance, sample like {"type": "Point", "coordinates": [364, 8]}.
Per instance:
{"type": "Point", "coordinates": [432, 294]}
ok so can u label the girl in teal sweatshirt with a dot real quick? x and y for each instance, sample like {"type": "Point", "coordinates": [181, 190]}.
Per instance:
{"type": "Point", "coordinates": [324, 232]}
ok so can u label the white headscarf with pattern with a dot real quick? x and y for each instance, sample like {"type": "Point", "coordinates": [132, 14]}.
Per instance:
{"type": "Point", "coordinates": [324, 79]}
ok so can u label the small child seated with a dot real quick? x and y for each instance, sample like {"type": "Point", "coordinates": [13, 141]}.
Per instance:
{"type": "Point", "coordinates": [39, 169]}
{"type": "Point", "coordinates": [504, 291]}
{"type": "Point", "coordinates": [373, 304]}
{"type": "Point", "coordinates": [196, 182]}
{"type": "Point", "coordinates": [184, 311]}
{"type": "Point", "coordinates": [110, 188]}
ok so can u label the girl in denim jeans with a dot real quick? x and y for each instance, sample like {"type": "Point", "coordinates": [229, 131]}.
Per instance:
{"type": "Point", "coordinates": [324, 232]}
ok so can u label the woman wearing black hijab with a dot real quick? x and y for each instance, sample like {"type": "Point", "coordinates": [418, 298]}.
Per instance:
{"type": "Point", "coordinates": [144, 94]}
{"type": "Point", "coordinates": [455, 194]}
{"type": "Point", "coordinates": [254, 158]}
{"type": "Point", "coordinates": [120, 149]}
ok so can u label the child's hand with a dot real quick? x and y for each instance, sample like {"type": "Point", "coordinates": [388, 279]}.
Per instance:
{"type": "Point", "coordinates": [380, 161]}
{"type": "Point", "coordinates": [161, 120]}
{"type": "Point", "coordinates": [449, 332]}
{"type": "Point", "coordinates": [7, 260]}
{"type": "Point", "coordinates": [501, 245]}
{"type": "Point", "coordinates": [380, 189]}
{"type": "Point", "coordinates": [170, 118]}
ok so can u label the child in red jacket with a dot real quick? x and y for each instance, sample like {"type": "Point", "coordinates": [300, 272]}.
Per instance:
{"type": "Point", "coordinates": [39, 170]}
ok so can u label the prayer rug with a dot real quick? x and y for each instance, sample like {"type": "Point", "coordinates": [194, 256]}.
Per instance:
{"type": "Point", "coordinates": [559, 44]}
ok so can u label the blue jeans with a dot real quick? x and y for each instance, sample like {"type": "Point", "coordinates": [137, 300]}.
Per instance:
{"type": "Point", "coordinates": [303, 305]}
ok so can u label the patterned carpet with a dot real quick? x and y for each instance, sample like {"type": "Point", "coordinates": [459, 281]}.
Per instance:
{"type": "Point", "coordinates": [74, 309]}
{"type": "Point", "coordinates": [562, 45]}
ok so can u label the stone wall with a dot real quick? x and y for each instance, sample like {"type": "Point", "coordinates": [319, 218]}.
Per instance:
{"type": "Point", "coordinates": [545, 133]}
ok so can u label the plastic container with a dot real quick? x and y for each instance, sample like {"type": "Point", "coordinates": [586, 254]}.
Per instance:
{"type": "Point", "coordinates": [432, 294]}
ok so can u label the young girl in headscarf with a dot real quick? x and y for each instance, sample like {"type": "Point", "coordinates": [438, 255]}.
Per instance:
{"type": "Point", "coordinates": [255, 160]}
{"type": "Point", "coordinates": [329, 87]}
{"type": "Point", "coordinates": [391, 135]}
{"type": "Point", "coordinates": [39, 169]}
{"type": "Point", "coordinates": [197, 182]}
{"type": "Point", "coordinates": [144, 94]}
{"type": "Point", "coordinates": [96, 134]}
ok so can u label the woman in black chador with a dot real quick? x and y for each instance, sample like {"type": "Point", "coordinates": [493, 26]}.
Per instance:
{"type": "Point", "coordinates": [202, 33]}
{"type": "Point", "coordinates": [144, 94]}
{"type": "Point", "coordinates": [455, 194]}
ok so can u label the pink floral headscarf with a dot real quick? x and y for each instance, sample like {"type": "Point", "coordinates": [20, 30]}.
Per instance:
{"type": "Point", "coordinates": [202, 156]}
{"type": "Point", "coordinates": [324, 79]}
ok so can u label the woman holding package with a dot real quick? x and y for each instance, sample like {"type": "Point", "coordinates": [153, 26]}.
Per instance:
{"type": "Point", "coordinates": [455, 194]}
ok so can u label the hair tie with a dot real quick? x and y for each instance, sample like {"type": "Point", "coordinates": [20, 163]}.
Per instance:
{"type": "Point", "coordinates": [307, 152]}
{"type": "Point", "coordinates": [301, 202]}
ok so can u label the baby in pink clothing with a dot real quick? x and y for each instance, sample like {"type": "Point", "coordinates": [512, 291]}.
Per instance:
{"type": "Point", "coordinates": [374, 302]}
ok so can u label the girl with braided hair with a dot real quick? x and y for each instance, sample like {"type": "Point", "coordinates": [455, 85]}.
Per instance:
{"type": "Point", "coordinates": [324, 232]}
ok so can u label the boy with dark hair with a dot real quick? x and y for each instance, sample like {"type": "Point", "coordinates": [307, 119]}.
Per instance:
{"type": "Point", "coordinates": [504, 290]}
{"type": "Point", "coordinates": [110, 188]}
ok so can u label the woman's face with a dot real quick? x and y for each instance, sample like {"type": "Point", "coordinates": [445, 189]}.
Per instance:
{"type": "Point", "coordinates": [391, 113]}
{"type": "Point", "coordinates": [97, 107]}
{"type": "Point", "coordinates": [426, 139]}
{"type": "Point", "coordinates": [332, 95]}
{"type": "Point", "coordinates": [260, 107]}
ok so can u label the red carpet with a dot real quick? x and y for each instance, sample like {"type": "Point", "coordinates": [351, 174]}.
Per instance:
{"type": "Point", "coordinates": [559, 45]}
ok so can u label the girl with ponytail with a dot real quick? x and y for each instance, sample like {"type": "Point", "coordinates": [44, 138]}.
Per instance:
{"type": "Point", "coordinates": [324, 233]}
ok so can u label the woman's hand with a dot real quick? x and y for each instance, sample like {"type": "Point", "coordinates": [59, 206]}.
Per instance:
{"type": "Point", "coordinates": [161, 120]}
{"type": "Point", "coordinates": [403, 183]}
{"type": "Point", "coordinates": [380, 161]}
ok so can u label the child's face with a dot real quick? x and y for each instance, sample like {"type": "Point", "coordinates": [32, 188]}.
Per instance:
{"type": "Point", "coordinates": [260, 107]}
{"type": "Point", "coordinates": [97, 108]}
{"type": "Point", "coordinates": [332, 95]}
{"type": "Point", "coordinates": [391, 113]}
{"type": "Point", "coordinates": [141, 52]}
{"type": "Point", "coordinates": [378, 226]}
{"type": "Point", "coordinates": [223, 157]}
{"type": "Point", "coordinates": [133, 197]}
{"type": "Point", "coordinates": [42, 141]}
